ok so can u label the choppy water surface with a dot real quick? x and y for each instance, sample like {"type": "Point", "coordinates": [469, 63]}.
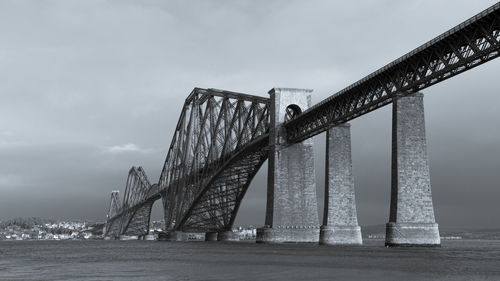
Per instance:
{"type": "Point", "coordinates": [152, 260]}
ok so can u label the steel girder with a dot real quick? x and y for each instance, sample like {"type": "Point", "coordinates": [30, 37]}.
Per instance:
{"type": "Point", "coordinates": [114, 209]}
{"type": "Point", "coordinates": [465, 46]}
{"type": "Point", "coordinates": [137, 187]}
{"type": "Point", "coordinates": [132, 217]}
{"type": "Point", "coordinates": [217, 132]}
{"type": "Point", "coordinates": [216, 206]}
{"type": "Point", "coordinates": [114, 204]}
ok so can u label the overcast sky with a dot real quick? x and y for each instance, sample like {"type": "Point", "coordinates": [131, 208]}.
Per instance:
{"type": "Point", "coordinates": [90, 88]}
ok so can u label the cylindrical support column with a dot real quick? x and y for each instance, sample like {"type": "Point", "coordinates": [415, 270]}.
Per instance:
{"type": "Point", "coordinates": [411, 221]}
{"type": "Point", "coordinates": [340, 221]}
{"type": "Point", "coordinates": [228, 236]}
{"type": "Point", "coordinates": [210, 236]}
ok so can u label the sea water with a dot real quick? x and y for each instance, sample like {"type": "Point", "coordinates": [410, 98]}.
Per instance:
{"type": "Point", "coordinates": [155, 260]}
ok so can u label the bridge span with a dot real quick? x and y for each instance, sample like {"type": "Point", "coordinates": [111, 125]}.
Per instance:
{"type": "Point", "coordinates": [222, 138]}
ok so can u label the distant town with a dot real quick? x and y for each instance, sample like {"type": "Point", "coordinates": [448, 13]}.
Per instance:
{"type": "Point", "coordinates": [43, 229]}
{"type": "Point", "coordinates": [34, 228]}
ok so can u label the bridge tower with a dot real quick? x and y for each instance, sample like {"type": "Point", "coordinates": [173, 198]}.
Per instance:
{"type": "Point", "coordinates": [291, 210]}
{"type": "Point", "coordinates": [411, 221]}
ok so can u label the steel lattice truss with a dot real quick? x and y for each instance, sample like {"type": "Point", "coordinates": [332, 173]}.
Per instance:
{"type": "Point", "coordinates": [222, 138]}
{"type": "Point", "coordinates": [115, 204]}
{"type": "Point", "coordinates": [219, 144]}
{"type": "Point", "coordinates": [132, 217]}
{"type": "Point", "coordinates": [215, 209]}
{"type": "Point", "coordinates": [469, 44]}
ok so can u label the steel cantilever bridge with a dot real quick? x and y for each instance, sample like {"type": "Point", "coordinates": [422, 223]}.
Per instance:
{"type": "Point", "coordinates": [219, 144]}
{"type": "Point", "coordinates": [222, 138]}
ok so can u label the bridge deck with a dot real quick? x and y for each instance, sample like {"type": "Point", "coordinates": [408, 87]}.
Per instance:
{"type": "Point", "coordinates": [463, 47]}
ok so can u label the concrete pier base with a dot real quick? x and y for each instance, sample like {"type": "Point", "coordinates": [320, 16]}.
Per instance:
{"type": "Point", "coordinates": [412, 234]}
{"type": "Point", "coordinates": [306, 234]}
{"type": "Point", "coordinates": [149, 237]}
{"type": "Point", "coordinates": [228, 236]}
{"type": "Point", "coordinates": [129, 237]}
{"type": "Point", "coordinates": [185, 236]}
{"type": "Point", "coordinates": [340, 220]}
{"type": "Point", "coordinates": [291, 210]}
{"type": "Point", "coordinates": [411, 221]}
{"type": "Point", "coordinates": [210, 236]}
{"type": "Point", "coordinates": [176, 236]}
{"type": "Point", "coordinates": [340, 235]}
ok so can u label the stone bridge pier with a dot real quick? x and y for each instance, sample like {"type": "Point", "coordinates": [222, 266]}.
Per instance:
{"type": "Point", "coordinates": [291, 210]}
{"type": "Point", "coordinates": [411, 220]}
{"type": "Point", "coordinates": [340, 221]}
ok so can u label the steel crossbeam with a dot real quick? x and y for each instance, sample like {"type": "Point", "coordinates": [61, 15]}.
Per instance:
{"type": "Point", "coordinates": [465, 46]}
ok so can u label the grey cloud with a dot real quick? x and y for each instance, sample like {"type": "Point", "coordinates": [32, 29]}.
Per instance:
{"type": "Point", "coordinates": [82, 79]}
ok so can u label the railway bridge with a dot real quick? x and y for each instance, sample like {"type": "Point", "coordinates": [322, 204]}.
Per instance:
{"type": "Point", "coordinates": [222, 138]}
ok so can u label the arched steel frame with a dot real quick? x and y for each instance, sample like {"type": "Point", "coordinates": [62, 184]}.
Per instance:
{"type": "Point", "coordinates": [222, 137]}
{"type": "Point", "coordinates": [132, 217]}
{"type": "Point", "coordinates": [217, 134]}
